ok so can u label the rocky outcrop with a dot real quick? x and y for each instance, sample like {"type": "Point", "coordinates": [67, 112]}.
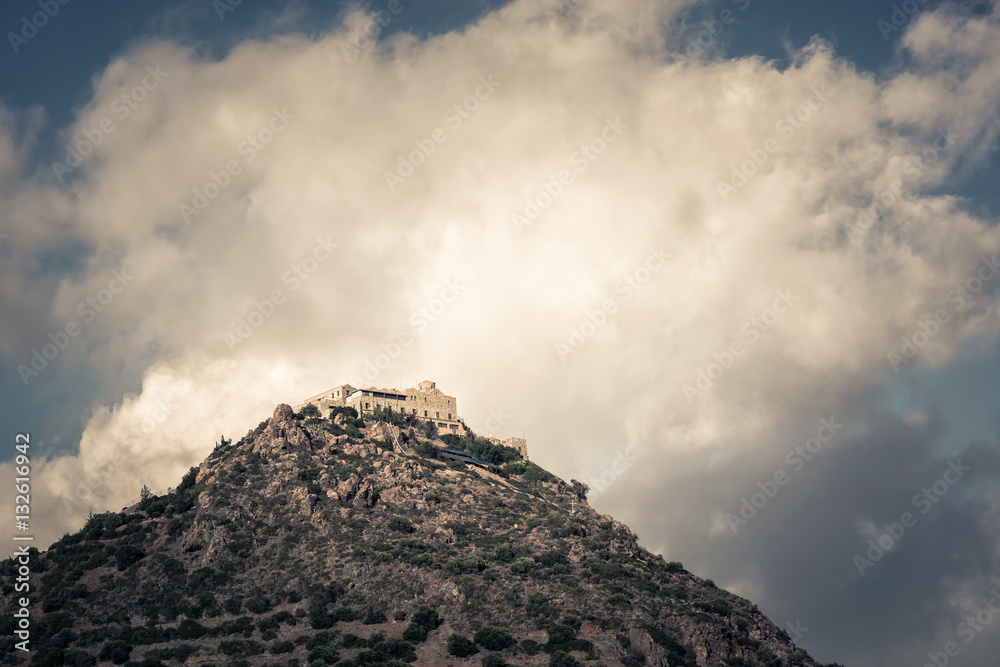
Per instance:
{"type": "Point", "coordinates": [299, 517]}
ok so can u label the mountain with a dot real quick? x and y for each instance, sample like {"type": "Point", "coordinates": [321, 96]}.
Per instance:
{"type": "Point", "coordinates": [316, 541]}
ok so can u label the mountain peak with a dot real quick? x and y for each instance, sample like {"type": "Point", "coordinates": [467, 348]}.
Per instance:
{"type": "Point", "coordinates": [345, 540]}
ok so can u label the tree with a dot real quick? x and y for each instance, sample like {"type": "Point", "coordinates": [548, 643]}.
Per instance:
{"type": "Point", "coordinates": [461, 647]}
{"type": "Point", "coordinates": [493, 638]}
{"type": "Point", "coordinates": [145, 496]}
{"type": "Point", "coordinates": [580, 489]}
{"type": "Point", "coordinates": [310, 411]}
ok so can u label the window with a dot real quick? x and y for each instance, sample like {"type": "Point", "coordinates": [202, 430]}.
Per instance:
{"type": "Point", "coordinates": [414, 410]}
{"type": "Point", "coordinates": [366, 406]}
{"type": "Point", "coordinates": [449, 415]}
{"type": "Point", "coordinates": [425, 413]}
{"type": "Point", "coordinates": [438, 415]}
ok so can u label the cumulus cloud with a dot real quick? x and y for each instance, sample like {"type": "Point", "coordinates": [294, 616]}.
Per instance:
{"type": "Point", "coordinates": [693, 260]}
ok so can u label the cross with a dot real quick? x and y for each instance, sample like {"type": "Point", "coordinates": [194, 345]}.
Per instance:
{"type": "Point", "coordinates": [573, 504]}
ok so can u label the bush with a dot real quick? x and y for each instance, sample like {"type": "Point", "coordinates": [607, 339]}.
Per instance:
{"type": "Point", "coordinates": [561, 634]}
{"type": "Point", "coordinates": [424, 620]}
{"type": "Point", "coordinates": [493, 638]}
{"type": "Point", "coordinates": [522, 566]}
{"type": "Point", "coordinates": [461, 647]}
{"type": "Point", "coordinates": [128, 554]}
{"type": "Point", "coordinates": [257, 604]}
{"type": "Point", "coordinates": [720, 607]}
{"type": "Point", "coordinates": [278, 648]}
{"type": "Point", "coordinates": [116, 650]}
{"type": "Point", "coordinates": [530, 646]}
{"type": "Point", "coordinates": [401, 524]}
{"type": "Point", "coordinates": [465, 565]}
{"type": "Point", "coordinates": [563, 659]}
{"type": "Point", "coordinates": [79, 659]}
{"type": "Point", "coordinates": [310, 411]}
{"type": "Point", "coordinates": [373, 616]}
{"type": "Point", "coordinates": [189, 629]}
{"type": "Point", "coordinates": [323, 654]}
{"type": "Point", "coordinates": [494, 660]}
{"type": "Point", "coordinates": [188, 480]}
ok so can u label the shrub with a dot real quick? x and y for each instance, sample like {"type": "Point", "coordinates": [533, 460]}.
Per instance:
{"type": "Point", "coordinates": [421, 559]}
{"type": "Point", "coordinates": [493, 638]}
{"type": "Point", "coordinates": [494, 660]}
{"type": "Point", "coordinates": [522, 566]}
{"type": "Point", "coordinates": [79, 659]}
{"type": "Point", "coordinates": [310, 411]}
{"type": "Point", "coordinates": [465, 565]}
{"type": "Point", "coordinates": [561, 634]}
{"type": "Point", "coordinates": [720, 607]}
{"type": "Point", "coordinates": [530, 646]}
{"type": "Point", "coordinates": [257, 604]}
{"type": "Point", "coordinates": [323, 654]}
{"type": "Point", "coordinates": [278, 648]}
{"type": "Point", "coordinates": [563, 659]}
{"type": "Point", "coordinates": [188, 480]}
{"type": "Point", "coordinates": [373, 616]}
{"type": "Point", "coordinates": [424, 620]}
{"type": "Point", "coordinates": [128, 554]}
{"type": "Point", "coordinates": [461, 647]}
{"type": "Point", "coordinates": [395, 649]}
{"type": "Point", "coordinates": [401, 524]}
{"type": "Point", "coordinates": [116, 650]}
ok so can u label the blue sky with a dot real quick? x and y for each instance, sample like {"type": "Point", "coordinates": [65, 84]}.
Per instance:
{"type": "Point", "coordinates": [349, 190]}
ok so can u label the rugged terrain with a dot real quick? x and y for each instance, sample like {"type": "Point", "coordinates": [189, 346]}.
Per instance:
{"type": "Point", "coordinates": [316, 541]}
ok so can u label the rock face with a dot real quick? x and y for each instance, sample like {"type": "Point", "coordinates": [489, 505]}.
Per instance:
{"type": "Point", "coordinates": [301, 544]}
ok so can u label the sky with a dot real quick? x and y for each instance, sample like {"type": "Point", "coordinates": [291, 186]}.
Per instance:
{"type": "Point", "coordinates": [734, 264]}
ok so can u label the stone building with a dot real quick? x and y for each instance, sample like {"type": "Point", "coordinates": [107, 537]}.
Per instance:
{"type": "Point", "coordinates": [425, 402]}
{"type": "Point", "coordinates": [520, 444]}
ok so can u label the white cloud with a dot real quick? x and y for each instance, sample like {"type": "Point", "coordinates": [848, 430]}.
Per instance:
{"type": "Point", "coordinates": [687, 127]}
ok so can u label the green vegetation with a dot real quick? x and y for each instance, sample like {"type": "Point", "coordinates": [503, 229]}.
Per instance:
{"type": "Point", "coordinates": [461, 647]}
{"type": "Point", "coordinates": [493, 638]}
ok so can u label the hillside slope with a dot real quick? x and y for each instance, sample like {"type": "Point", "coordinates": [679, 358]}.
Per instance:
{"type": "Point", "coordinates": [313, 542]}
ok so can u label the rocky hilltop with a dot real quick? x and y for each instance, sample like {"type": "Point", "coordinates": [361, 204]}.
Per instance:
{"type": "Point", "coordinates": [316, 541]}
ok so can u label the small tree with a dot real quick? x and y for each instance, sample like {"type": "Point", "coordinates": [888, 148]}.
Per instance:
{"type": "Point", "coordinates": [145, 496]}
{"type": "Point", "coordinates": [580, 489]}
{"type": "Point", "coordinates": [310, 411]}
{"type": "Point", "coordinates": [461, 647]}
